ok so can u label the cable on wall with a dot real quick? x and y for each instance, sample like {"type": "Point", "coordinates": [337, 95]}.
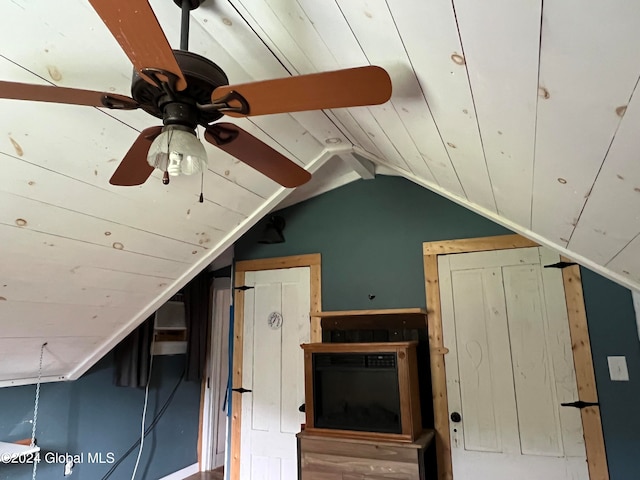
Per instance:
{"type": "Point", "coordinates": [35, 411]}
{"type": "Point", "coordinates": [144, 409]}
{"type": "Point", "coordinates": [151, 426]}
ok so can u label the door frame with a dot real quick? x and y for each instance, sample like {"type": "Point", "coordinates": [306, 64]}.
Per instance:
{"type": "Point", "coordinates": [313, 261]}
{"type": "Point", "coordinates": [581, 346]}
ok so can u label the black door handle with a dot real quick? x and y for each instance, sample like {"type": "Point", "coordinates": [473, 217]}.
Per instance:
{"type": "Point", "coordinates": [302, 408]}
{"type": "Point", "coordinates": [240, 390]}
{"type": "Point", "coordinates": [456, 417]}
{"type": "Point", "coordinates": [580, 404]}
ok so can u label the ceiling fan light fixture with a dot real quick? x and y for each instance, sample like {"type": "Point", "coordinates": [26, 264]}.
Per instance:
{"type": "Point", "coordinates": [177, 151]}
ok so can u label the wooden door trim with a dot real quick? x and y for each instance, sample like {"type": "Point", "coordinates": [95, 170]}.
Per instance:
{"type": "Point", "coordinates": [278, 262]}
{"type": "Point", "coordinates": [480, 244]}
{"type": "Point", "coordinates": [585, 375]}
{"type": "Point", "coordinates": [583, 361]}
{"type": "Point", "coordinates": [313, 261]}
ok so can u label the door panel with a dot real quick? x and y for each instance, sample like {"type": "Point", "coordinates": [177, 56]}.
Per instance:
{"type": "Point", "coordinates": [483, 363]}
{"type": "Point", "coordinates": [478, 365]}
{"type": "Point", "coordinates": [562, 356]}
{"type": "Point", "coordinates": [533, 373]}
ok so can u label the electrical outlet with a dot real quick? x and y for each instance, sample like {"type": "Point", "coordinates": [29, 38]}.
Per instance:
{"type": "Point", "coordinates": [618, 371]}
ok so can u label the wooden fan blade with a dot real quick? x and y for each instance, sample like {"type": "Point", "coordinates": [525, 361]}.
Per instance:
{"type": "Point", "coordinates": [134, 169]}
{"type": "Point", "coordinates": [136, 29]}
{"type": "Point", "coordinates": [342, 88]}
{"type": "Point", "coordinates": [72, 96]}
{"type": "Point", "coordinates": [257, 154]}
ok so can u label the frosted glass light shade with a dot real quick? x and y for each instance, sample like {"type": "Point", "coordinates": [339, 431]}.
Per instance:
{"type": "Point", "coordinates": [178, 151]}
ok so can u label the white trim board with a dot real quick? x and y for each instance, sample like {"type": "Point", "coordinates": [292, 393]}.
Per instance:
{"type": "Point", "coordinates": [184, 473]}
{"type": "Point", "coordinates": [525, 232]}
{"type": "Point", "coordinates": [15, 450]}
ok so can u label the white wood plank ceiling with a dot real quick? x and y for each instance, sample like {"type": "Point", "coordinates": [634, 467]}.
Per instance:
{"type": "Point", "coordinates": [521, 111]}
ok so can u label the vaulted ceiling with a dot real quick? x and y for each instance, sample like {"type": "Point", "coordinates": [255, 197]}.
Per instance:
{"type": "Point", "coordinates": [523, 114]}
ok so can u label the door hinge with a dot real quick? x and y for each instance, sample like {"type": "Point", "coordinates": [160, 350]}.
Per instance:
{"type": "Point", "coordinates": [243, 288]}
{"type": "Point", "coordinates": [561, 265]}
{"type": "Point", "coordinates": [240, 390]}
{"type": "Point", "coordinates": [580, 404]}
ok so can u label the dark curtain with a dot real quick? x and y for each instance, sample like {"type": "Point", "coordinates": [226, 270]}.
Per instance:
{"type": "Point", "coordinates": [197, 303]}
{"type": "Point", "coordinates": [132, 356]}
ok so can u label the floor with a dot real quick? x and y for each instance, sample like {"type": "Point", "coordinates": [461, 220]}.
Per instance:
{"type": "Point", "coordinates": [217, 474]}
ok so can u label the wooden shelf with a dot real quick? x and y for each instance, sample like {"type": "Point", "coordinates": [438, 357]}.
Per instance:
{"type": "Point", "coordinates": [399, 318]}
{"type": "Point", "coordinates": [355, 313]}
{"type": "Point", "coordinates": [356, 347]}
{"type": "Point", "coordinates": [422, 441]}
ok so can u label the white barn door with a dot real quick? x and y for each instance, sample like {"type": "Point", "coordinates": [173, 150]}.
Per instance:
{"type": "Point", "coordinates": [276, 322]}
{"type": "Point", "coordinates": [509, 367]}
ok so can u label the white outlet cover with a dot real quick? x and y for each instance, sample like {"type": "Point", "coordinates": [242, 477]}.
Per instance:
{"type": "Point", "coordinates": [618, 369]}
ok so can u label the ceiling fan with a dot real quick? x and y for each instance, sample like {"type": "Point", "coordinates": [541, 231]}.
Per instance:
{"type": "Point", "coordinates": [186, 90]}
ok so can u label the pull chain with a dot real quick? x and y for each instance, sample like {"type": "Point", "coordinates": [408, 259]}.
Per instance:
{"type": "Point", "coordinates": [202, 187]}
{"type": "Point", "coordinates": [201, 199]}
{"type": "Point", "coordinates": [35, 412]}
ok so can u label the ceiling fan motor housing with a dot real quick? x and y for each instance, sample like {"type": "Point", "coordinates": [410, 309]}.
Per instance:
{"type": "Point", "coordinates": [193, 4]}
{"type": "Point", "coordinates": [180, 113]}
{"type": "Point", "coordinates": [202, 76]}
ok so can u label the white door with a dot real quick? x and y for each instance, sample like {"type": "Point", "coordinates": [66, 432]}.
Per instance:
{"type": "Point", "coordinates": [214, 422]}
{"type": "Point", "coordinates": [276, 322]}
{"type": "Point", "coordinates": [509, 367]}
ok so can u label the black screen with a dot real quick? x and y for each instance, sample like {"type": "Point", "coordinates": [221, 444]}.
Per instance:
{"type": "Point", "coordinates": [357, 391]}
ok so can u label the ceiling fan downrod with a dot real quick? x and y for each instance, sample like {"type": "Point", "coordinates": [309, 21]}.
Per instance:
{"type": "Point", "coordinates": [186, 6]}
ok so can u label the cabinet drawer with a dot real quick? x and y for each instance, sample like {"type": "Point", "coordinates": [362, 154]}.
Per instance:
{"type": "Point", "coordinates": [359, 450]}
{"type": "Point", "coordinates": [373, 467]}
{"type": "Point", "coordinates": [365, 476]}
{"type": "Point", "coordinates": [331, 458]}
{"type": "Point", "coordinates": [352, 476]}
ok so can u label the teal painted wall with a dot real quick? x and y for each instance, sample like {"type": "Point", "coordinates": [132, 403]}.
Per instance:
{"type": "Point", "coordinates": [613, 331]}
{"type": "Point", "coordinates": [370, 235]}
{"type": "Point", "coordinates": [91, 415]}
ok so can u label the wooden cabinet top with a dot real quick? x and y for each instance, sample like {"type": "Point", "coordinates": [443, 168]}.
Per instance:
{"type": "Point", "coordinates": [401, 318]}
{"type": "Point", "coordinates": [358, 347]}
{"type": "Point", "coordinates": [423, 441]}
{"type": "Point", "coordinates": [355, 313]}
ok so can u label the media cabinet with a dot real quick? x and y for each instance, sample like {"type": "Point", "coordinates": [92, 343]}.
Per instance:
{"type": "Point", "coordinates": [329, 450]}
